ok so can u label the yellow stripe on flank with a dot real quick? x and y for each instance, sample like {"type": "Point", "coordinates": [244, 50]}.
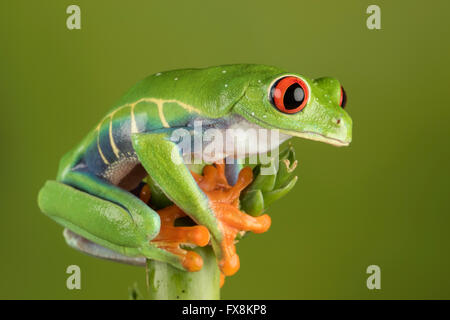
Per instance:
{"type": "Point", "coordinates": [185, 106]}
{"type": "Point", "coordinates": [98, 147]}
{"type": "Point", "coordinates": [161, 115]}
{"type": "Point", "coordinates": [111, 139]}
{"type": "Point", "coordinates": [133, 120]}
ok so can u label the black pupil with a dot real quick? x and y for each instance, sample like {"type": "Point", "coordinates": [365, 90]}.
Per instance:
{"type": "Point", "coordinates": [293, 96]}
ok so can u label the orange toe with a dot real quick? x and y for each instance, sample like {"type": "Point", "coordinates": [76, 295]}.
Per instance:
{"type": "Point", "coordinates": [192, 261]}
{"type": "Point", "coordinates": [198, 235]}
{"type": "Point", "coordinates": [229, 265]}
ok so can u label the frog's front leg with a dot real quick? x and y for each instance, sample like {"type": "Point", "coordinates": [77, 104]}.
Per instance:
{"type": "Point", "coordinates": [162, 159]}
{"type": "Point", "coordinates": [106, 215]}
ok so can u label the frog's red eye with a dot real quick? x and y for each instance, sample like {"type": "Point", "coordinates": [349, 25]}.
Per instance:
{"type": "Point", "coordinates": [343, 100]}
{"type": "Point", "coordinates": [289, 94]}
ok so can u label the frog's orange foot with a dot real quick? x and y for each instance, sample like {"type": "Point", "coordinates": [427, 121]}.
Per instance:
{"type": "Point", "coordinates": [233, 221]}
{"type": "Point", "coordinates": [170, 238]}
{"type": "Point", "coordinates": [224, 201]}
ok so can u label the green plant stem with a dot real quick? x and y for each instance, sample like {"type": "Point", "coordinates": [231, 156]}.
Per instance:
{"type": "Point", "coordinates": [168, 283]}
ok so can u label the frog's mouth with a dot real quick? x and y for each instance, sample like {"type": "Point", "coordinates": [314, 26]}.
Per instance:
{"type": "Point", "coordinates": [316, 137]}
{"type": "Point", "coordinates": [305, 134]}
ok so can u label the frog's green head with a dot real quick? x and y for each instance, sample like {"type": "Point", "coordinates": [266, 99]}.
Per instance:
{"type": "Point", "coordinates": [297, 106]}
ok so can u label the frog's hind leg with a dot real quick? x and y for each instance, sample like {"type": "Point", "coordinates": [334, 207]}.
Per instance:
{"type": "Point", "coordinates": [93, 249]}
{"type": "Point", "coordinates": [106, 215]}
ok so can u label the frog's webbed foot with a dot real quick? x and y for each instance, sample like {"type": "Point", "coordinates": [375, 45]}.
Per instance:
{"type": "Point", "coordinates": [170, 237]}
{"type": "Point", "coordinates": [224, 200]}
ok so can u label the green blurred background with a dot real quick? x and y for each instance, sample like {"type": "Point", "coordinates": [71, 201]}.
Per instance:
{"type": "Point", "coordinates": [384, 200]}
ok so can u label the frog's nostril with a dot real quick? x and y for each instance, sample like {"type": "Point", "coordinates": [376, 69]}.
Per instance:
{"type": "Point", "coordinates": [338, 121]}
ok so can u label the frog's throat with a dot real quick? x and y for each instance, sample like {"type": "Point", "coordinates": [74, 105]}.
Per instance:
{"type": "Point", "coordinates": [238, 134]}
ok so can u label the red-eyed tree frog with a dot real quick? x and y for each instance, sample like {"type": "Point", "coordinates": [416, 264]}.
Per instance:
{"type": "Point", "coordinates": [91, 195]}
